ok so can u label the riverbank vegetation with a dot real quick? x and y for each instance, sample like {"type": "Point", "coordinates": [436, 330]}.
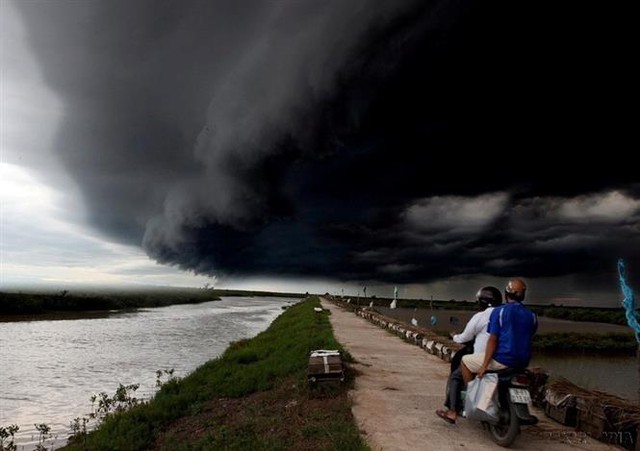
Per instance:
{"type": "Point", "coordinates": [255, 396]}
{"type": "Point", "coordinates": [26, 303]}
{"type": "Point", "coordinates": [589, 314]}
{"type": "Point", "coordinates": [571, 341]}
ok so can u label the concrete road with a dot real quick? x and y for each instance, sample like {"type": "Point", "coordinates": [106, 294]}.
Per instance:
{"type": "Point", "coordinates": [400, 386]}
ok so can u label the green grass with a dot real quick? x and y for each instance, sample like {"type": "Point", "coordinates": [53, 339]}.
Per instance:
{"type": "Point", "coordinates": [590, 314]}
{"type": "Point", "coordinates": [611, 342]}
{"type": "Point", "coordinates": [255, 377]}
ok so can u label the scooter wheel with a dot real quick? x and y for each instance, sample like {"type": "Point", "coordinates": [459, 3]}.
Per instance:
{"type": "Point", "coordinates": [506, 431]}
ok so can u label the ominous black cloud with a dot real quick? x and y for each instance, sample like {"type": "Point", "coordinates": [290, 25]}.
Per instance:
{"type": "Point", "coordinates": [399, 141]}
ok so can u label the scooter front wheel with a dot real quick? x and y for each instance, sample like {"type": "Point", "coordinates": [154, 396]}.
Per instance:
{"type": "Point", "coordinates": [506, 431]}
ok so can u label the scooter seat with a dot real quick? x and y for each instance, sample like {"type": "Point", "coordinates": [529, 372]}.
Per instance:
{"type": "Point", "coordinates": [507, 371]}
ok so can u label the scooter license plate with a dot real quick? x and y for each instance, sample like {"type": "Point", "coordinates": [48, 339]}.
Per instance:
{"type": "Point", "coordinates": [520, 395]}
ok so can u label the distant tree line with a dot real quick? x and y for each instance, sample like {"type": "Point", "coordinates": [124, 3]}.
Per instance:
{"type": "Point", "coordinates": [592, 314]}
{"type": "Point", "coordinates": [572, 341]}
{"type": "Point", "coordinates": [35, 303]}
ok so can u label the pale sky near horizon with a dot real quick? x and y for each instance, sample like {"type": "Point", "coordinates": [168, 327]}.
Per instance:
{"type": "Point", "coordinates": [43, 241]}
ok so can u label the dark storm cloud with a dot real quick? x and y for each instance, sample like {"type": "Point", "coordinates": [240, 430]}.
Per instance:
{"type": "Point", "coordinates": [396, 141]}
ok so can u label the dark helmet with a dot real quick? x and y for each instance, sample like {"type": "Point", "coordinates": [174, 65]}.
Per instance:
{"type": "Point", "coordinates": [489, 297]}
{"type": "Point", "coordinates": [515, 289]}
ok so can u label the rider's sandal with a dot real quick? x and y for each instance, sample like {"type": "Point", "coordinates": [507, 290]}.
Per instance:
{"type": "Point", "coordinates": [443, 414]}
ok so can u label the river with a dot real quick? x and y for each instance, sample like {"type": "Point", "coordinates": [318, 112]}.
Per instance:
{"type": "Point", "coordinates": [50, 369]}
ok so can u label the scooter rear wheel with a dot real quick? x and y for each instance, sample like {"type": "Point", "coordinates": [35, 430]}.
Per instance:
{"type": "Point", "coordinates": [506, 431]}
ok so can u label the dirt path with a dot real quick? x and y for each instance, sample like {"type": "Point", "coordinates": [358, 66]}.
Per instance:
{"type": "Point", "coordinates": [401, 386]}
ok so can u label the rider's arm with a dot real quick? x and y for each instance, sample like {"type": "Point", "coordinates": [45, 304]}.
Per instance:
{"type": "Point", "coordinates": [469, 332]}
{"type": "Point", "coordinates": [492, 344]}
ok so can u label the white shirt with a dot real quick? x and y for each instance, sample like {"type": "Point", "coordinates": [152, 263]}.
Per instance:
{"type": "Point", "coordinates": [476, 328]}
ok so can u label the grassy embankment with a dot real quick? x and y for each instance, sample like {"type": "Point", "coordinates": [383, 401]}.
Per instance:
{"type": "Point", "coordinates": [255, 396]}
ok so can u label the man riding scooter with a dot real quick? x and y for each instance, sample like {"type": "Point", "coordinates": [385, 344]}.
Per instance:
{"type": "Point", "coordinates": [511, 329]}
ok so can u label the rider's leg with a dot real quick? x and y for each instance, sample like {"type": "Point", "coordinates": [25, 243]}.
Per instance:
{"type": "Point", "coordinates": [456, 384]}
{"type": "Point", "coordinates": [467, 375]}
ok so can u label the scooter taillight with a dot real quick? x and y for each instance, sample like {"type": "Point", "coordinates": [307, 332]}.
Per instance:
{"type": "Point", "coordinates": [521, 380]}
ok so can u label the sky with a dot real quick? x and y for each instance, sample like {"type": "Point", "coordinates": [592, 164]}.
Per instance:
{"type": "Point", "coordinates": [298, 145]}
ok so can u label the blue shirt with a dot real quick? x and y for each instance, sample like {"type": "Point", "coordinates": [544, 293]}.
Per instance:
{"type": "Point", "coordinates": [515, 326]}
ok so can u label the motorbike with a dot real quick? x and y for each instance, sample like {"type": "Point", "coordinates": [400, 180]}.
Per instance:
{"type": "Point", "coordinates": [513, 398]}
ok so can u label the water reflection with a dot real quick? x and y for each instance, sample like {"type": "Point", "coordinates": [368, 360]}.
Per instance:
{"type": "Point", "coordinates": [617, 375]}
